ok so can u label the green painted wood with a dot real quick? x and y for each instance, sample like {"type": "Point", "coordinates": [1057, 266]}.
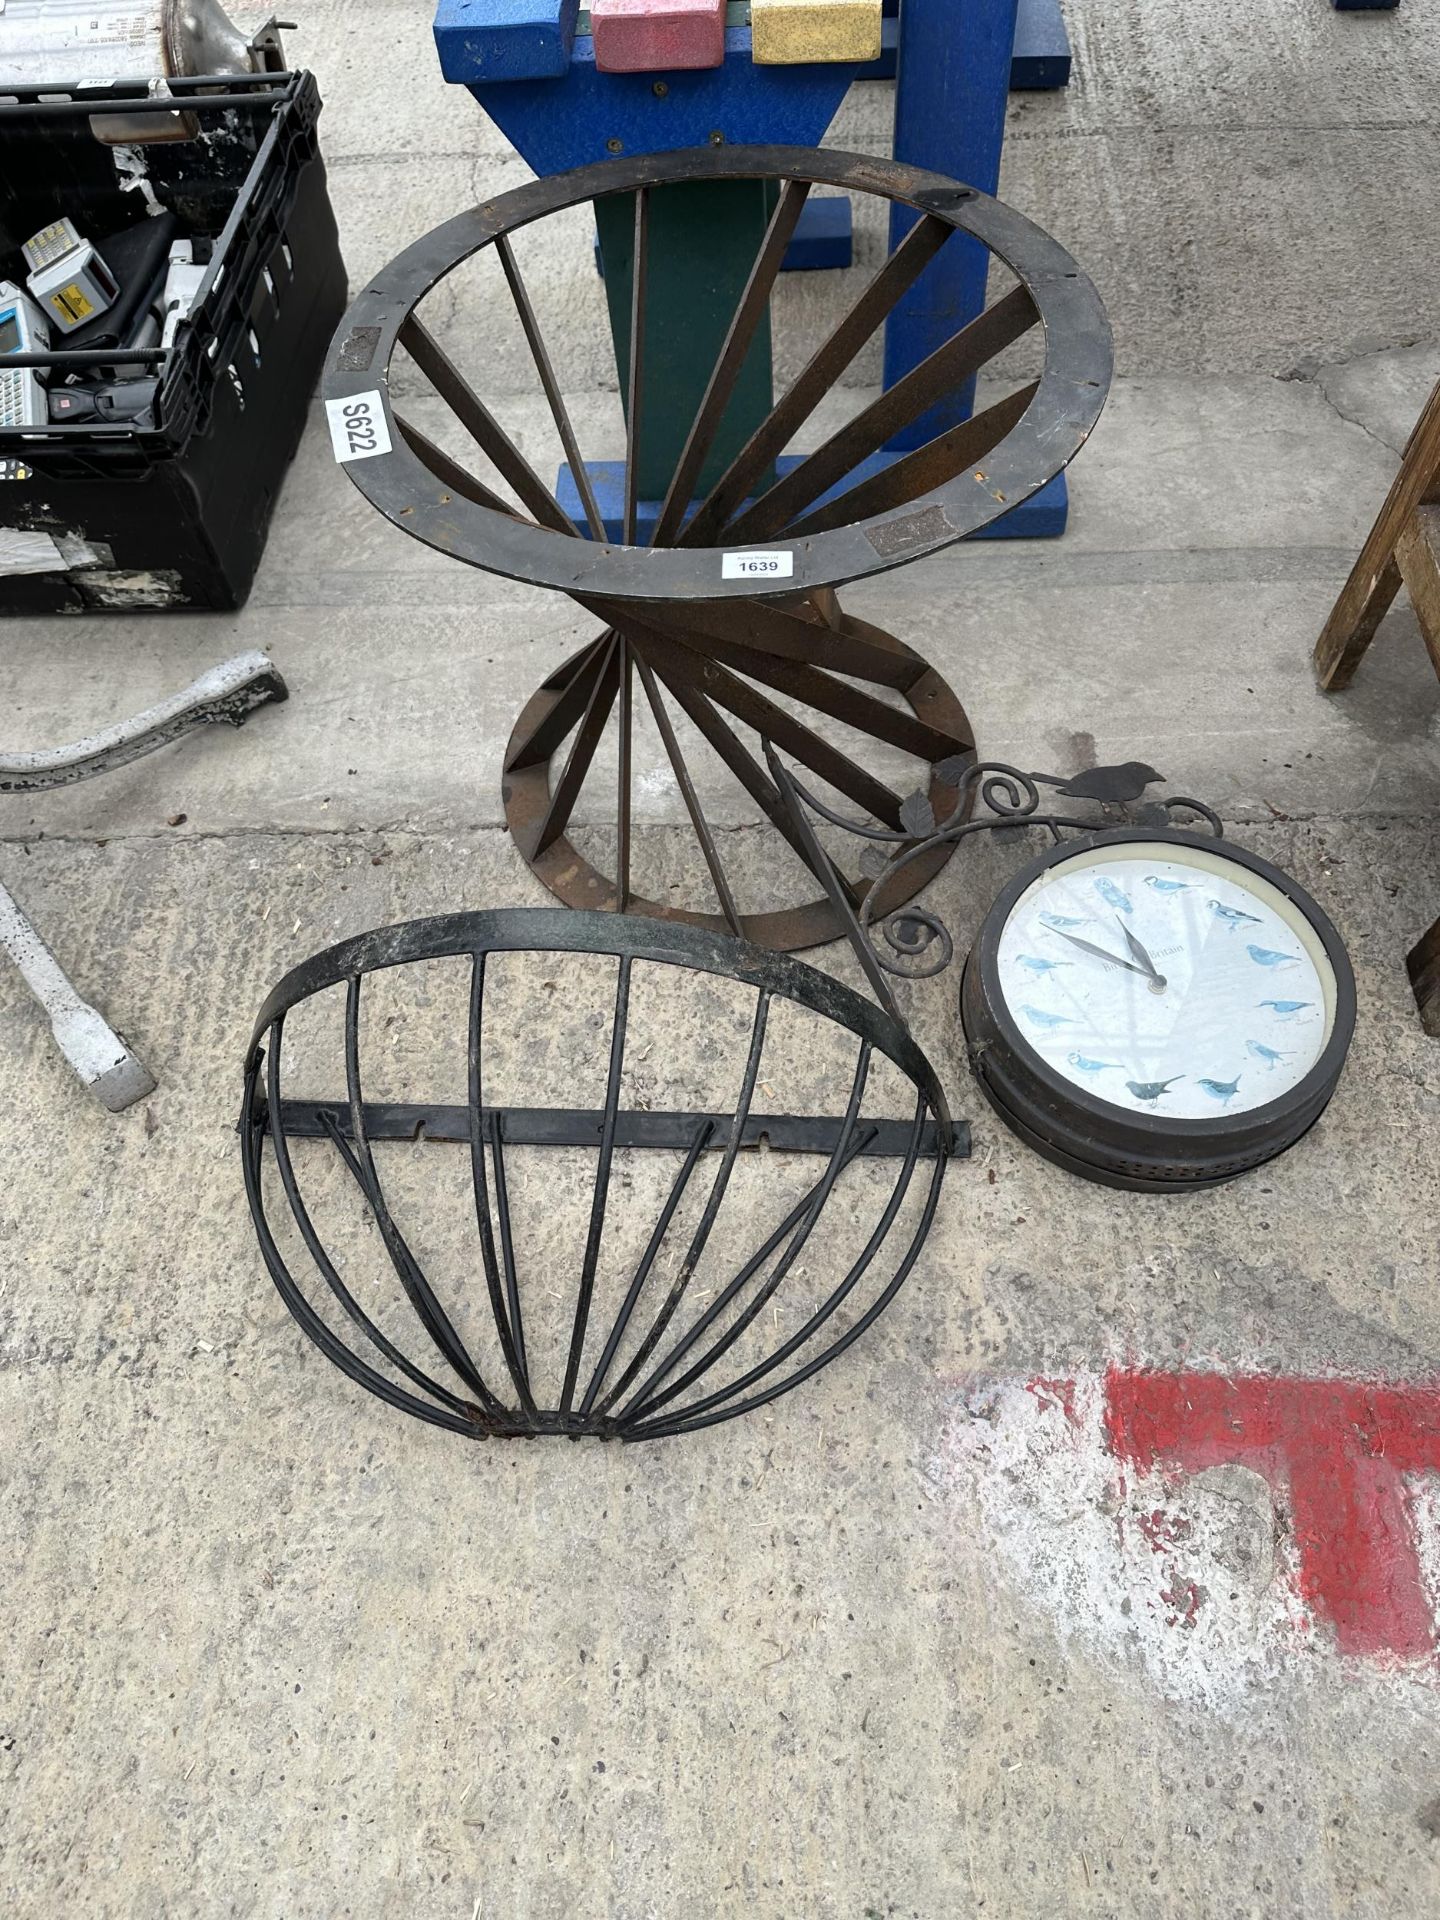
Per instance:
{"type": "Point", "coordinates": [704, 236]}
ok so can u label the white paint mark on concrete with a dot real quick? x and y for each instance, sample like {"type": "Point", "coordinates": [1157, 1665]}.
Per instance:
{"type": "Point", "coordinates": [1190, 1582]}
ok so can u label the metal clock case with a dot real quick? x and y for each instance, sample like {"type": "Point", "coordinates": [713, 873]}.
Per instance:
{"type": "Point", "coordinates": [1135, 1144]}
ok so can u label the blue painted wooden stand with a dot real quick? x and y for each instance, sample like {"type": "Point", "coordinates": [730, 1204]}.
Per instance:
{"type": "Point", "coordinates": [953, 74]}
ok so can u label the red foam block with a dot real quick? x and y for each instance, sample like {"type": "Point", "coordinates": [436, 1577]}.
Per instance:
{"type": "Point", "coordinates": [657, 36]}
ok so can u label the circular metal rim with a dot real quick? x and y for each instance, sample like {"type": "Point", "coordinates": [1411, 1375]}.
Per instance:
{"type": "Point", "coordinates": [1202, 1180]}
{"type": "Point", "coordinates": [1149, 1130]}
{"type": "Point", "coordinates": [1056, 424]}
{"type": "Point", "coordinates": [610, 935]}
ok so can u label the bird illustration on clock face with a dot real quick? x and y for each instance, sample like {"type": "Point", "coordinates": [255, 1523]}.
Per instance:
{"type": "Point", "coordinates": [1150, 982]}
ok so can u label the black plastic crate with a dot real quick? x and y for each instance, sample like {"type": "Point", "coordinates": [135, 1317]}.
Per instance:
{"type": "Point", "coordinates": [172, 510]}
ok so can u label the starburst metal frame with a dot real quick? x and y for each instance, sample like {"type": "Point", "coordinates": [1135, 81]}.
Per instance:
{"type": "Point", "coordinates": [666, 1385]}
{"type": "Point", "coordinates": [672, 620]}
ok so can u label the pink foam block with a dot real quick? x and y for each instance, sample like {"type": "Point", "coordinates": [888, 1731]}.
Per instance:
{"type": "Point", "coordinates": [657, 36]}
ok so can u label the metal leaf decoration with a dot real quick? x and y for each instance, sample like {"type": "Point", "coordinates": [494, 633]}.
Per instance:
{"type": "Point", "coordinates": [917, 816]}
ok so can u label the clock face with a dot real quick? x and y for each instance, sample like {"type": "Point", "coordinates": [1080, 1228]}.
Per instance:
{"type": "Point", "coordinates": [1170, 981]}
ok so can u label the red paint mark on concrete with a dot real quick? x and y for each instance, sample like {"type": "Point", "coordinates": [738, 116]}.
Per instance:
{"type": "Point", "coordinates": [1161, 1530]}
{"type": "Point", "coordinates": [1343, 1449]}
{"type": "Point", "coordinates": [1055, 1393]}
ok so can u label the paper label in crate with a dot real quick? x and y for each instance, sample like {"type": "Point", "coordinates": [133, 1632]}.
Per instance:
{"type": "Point", "coordinates": [757, 566]}
{"type": "Point", "coordinates": [358, 427]}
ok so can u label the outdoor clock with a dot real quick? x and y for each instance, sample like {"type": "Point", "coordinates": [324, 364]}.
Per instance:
{"type": "Point", "coordinates": [1155, 1010]}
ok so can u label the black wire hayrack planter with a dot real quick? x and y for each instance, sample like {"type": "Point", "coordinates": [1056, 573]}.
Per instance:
{"type": "Point", "coordinates": [731, 1298]}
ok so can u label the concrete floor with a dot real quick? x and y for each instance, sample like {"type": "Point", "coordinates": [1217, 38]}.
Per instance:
{"type": "Point", "coordinates": [921, 1640]}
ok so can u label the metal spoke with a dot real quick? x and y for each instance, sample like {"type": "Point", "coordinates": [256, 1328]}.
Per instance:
{"type": "Point", "coordinates": [740, 336]}
{"type": "Point", "coordinates": [450, 473]}
{"type": "Point", "coordinates": [885, 291]}
{"type": "Point", "coordinates": [916, 473]}
{"type": "Point", "coordinates": [634, 388]}
{"type": "Point", "coordinates": [562, 801]}
{"type": "Point", "coordinates": [482, 426]}
{"type": "Point", "coordinates": [573, 687]}
{"type": "Point", "coordinates": [703, 1135]}
{"type": "Point", "coordinates": [850, 648]}
{"type": "Point", "coordinates": [602, 1185]}
{"type": "Point", "coordinates": [361, 1160]}
{"type": "Point", "coordinates": [719, 1187]}
{"type": "Point", "coordinates": [324, 1264]}
{"type": "Point", "coordinates": [698, 821]}
{"type": "Point", "coordinates": [818, 689]}
{"type": "Point", "coordinates": [546, 371]}
{"type": "Point", "coordinates": [741, 763]}
{"type": "Point", "coordinates": [773, 722]}
{"type": "Point", "coordinates": [498, 1306]}
{"type": "Point", "coordinates": [622, 817]}
{"type": "Point", "coordinates": [647, 1398]}
{"type": "Point", "coordinates": [830, 877]}
{"type": "Point", "coordinates": [869, 431]}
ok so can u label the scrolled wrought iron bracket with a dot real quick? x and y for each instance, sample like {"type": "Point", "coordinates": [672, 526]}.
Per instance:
{"type": "Point", "coordinates": [910, 942]}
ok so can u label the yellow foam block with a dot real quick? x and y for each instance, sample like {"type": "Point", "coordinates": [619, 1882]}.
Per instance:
{"type": "Point", "coordinates": [785, 33]}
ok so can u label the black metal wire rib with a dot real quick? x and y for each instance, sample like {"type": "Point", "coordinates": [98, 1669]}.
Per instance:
{"type": "Point", "coordinates": [325, 1265]}
{"type": "Point", "coordinates": [602, 1184]}
{"type": "Point", "coordinates": [358, 1156]}
{"type": "Point", "coordinates": [765, 1251]}
{"type": "Point", "coordinates": [505, 1326]}
{"type": "Point", "coordinates": [649, 1395]}
{"type": "Point", "coordinates": [691, 1419]}
{"type": "Point", "coordinates": [704, 1133]}
{"type": "Point", "coordinates": [706, 1226]}
{"type": "Point", "coordinates": [253, 1131]}
{"type": "Point", "coordinates": [507, 1246]}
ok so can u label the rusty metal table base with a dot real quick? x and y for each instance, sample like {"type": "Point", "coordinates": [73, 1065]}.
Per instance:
{"type": "Point", "coordinates": [683, 632]}
{"type": "Point", "coordinates": [714, 679]}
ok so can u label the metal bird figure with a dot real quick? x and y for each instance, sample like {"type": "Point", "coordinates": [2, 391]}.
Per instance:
{"type": "Point", "coordinates": [1151, 1090]}
{"type": "Point", "coordinates": [1286, 1007]}
{"type": "Point", "coordinates": [1232, 916]}
{"type": "Point", "coordinates": [1267, 956]}
{"type": "Point", "coordinates": [1112, 896]}
{"type": "Point", "coordinates": [1043, 1019]}
{"type": "Point", "coordinates": [1112, 786]}
{"type": "Point", "coordinates": [1083, 1065]}
{"type": "Point", "coordinates": [1221, 1090]}
{"type": "Point", "coordinates": [1035, 965]}
{"type": "Point", "coordinates": [1269, 1055]}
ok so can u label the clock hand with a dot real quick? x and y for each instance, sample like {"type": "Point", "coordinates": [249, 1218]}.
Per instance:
{"type": "Point", "coordinates": [1157, 979]}
{"type": "Point", "coordinates": [1100, 953]}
